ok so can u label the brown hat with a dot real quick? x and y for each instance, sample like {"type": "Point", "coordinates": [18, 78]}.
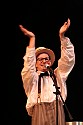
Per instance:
{"type": "Point", "coordinates": [41, 50]}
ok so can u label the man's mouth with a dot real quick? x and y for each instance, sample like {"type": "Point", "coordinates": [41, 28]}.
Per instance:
{"type": "Point", "coordinates": [43, 66]}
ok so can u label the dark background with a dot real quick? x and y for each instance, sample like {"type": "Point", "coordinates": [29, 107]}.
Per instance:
{"type": "Point", "coordinates": [44, 18]}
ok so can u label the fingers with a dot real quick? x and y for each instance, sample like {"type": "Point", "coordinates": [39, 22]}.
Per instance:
{"type": "Point", "coordinates": [67, 23]}
{"type": "Point", "coordinates": [23, 29]}
{"type": "Point", "coordinates": [20, 26]}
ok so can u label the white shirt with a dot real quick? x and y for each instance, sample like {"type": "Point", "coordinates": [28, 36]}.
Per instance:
{"type": "Point", "coordinates": [30, 76]}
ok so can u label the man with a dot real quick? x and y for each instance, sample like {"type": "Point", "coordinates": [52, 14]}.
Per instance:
{"type": "Point", "coordinates": [41, 99]}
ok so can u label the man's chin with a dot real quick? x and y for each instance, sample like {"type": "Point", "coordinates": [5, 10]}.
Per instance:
{"type": "Point", "coordinates": [44, 70]}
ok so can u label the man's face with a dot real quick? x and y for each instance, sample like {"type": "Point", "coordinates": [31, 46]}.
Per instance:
{"type": "Point", "coordinates": [41, 62]}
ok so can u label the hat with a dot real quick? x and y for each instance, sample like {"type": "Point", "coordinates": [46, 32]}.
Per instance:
{"type": "Point", "coordinates": [41, 50]}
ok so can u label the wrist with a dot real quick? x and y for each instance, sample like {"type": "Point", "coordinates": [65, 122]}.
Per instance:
{"type": "Point", "coordinates": [30, 36]}
{"type": "Point", "coordinates": [61, 35]}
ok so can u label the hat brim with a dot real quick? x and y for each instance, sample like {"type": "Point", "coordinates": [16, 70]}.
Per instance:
{"type": "Point", "coordinates": [47, 51]}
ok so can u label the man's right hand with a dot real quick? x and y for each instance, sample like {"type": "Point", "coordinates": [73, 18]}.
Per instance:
{"type": "Point", "coordinates": [26, 32]}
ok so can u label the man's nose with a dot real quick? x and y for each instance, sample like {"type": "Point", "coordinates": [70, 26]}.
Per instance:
{"type": "Point", "coordinates": [44, 60]}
